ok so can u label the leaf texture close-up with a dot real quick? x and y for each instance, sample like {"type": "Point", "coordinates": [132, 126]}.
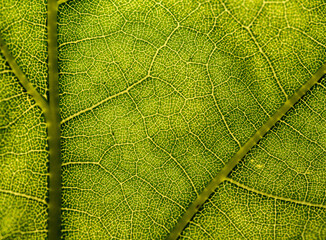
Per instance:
{"type": "Point", "coordinates": [163, 119]}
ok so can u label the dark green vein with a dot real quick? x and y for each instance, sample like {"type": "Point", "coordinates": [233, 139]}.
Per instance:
{"type": "Point", "coordinates": [39, 100]}
{"type": "Point", "coordinates": [224, 172]}
{"type": "Point", "coordinates": [53, 124]}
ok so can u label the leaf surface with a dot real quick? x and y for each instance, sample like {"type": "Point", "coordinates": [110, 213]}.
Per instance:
{"type": "Point", "coordinates": [155, 98]}
{"type": "Point", "coordinates": [23, 137]}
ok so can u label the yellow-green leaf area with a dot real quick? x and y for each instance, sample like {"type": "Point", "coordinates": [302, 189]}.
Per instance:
{"type": "Point", "coordinates": [156, 104]}
{"type": "Point", "coordinates": [23, 138]}
{"type": "Point", "coordinates": [155, 98]}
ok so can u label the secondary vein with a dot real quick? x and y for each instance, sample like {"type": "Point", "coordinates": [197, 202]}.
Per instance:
{"type": "Point", "coordinates": [27, 85]}
{"type": "Point", "coordinates": [250, 189]}
{"type": "Point", "coordinates": [225, 171]}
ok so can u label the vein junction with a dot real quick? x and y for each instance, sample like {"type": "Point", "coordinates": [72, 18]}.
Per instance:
{"type": "Point", "coordinates": [50, 109]}
{"type": "Point", "coordinates": [40, 101]}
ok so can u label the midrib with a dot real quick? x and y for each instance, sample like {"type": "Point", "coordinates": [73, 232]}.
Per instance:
{"type": "Point", "coordinates": [53, 125]}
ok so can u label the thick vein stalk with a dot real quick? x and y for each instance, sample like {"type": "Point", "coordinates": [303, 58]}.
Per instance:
{"type": "Point", "coordinates": [225, 171]}
{"type": "Point", "coordinates": [53, 124]}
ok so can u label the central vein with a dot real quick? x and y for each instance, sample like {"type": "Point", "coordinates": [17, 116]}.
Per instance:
{"type": "Point", "coordinates": [224, 172]}
{"type": "Point", "coordinates": [53, 125]}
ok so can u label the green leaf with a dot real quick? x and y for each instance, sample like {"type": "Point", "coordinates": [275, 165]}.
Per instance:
{"type": "Point", "coordinates": [156, 99]}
